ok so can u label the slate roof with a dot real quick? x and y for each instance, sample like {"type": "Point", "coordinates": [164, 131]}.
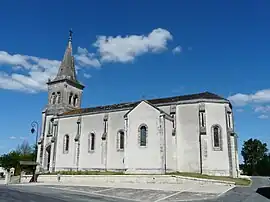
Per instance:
{"type": "Point", "coordinates": [67, 66]}
{"type": "Point", "coordinates": [204, 95]}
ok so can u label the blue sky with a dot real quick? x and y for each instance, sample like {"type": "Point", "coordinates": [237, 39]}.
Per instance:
{"type": "Point", "coordinates": [127, 50]}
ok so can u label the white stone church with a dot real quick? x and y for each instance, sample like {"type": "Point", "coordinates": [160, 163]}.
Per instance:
{"type": "Point", "coordinates": [187, 133]}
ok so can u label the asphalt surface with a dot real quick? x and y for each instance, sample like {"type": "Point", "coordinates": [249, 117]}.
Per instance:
{"type": "Point", "coordinates": [46, 194]}
{"type": "Point", "coordinates": [258, 191]}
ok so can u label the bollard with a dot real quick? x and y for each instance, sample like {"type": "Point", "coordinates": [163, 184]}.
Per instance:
{"type": "Point", "coordinates": [58, 177]}
{"type": "Point", "coordinates": [7, 178]}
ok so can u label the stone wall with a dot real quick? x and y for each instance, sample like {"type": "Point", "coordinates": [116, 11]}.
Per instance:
{"type": "Point", "coordinates": [142, 179]}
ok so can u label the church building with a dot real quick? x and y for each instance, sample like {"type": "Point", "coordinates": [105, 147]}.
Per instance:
{"type": "Point", "coordinates": [187, 133]}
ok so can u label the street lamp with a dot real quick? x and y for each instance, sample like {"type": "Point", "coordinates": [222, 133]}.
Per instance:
{"type": "Point", "coordinates": [35, 128]}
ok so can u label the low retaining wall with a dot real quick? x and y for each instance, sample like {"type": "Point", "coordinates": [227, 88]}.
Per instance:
{"type": "Point", "coordinates": [245, 177]}
{"type": "Point", "coordinates": [148, 179]}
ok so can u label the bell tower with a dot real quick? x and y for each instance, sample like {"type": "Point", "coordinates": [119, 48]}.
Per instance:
{"type": "Point", "coordinates": [65, 91]}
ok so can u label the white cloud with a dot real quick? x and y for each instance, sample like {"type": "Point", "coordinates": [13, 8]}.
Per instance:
{"type": "Point", "coordinates": [263, 116]}
{"type": "Point", "coordinates": [125, 49]}
{"type": "Point", "coordinates": [86, 59]}
{"type": "Point", "coordinates": [239, 99]}
{"type": "Point", "coordinates": [262, 109]}
{"type": "Point", "coordinates": [30, 73]}
{"type": "Point", "coordinates": [177, 49]}
{"type": "Point", "coordinates": [239, 110]}
{"type": "Point", "coordinates": [261, 96]}
{"type": "Point", "coordinates": [38, 72]}
{"type": "Point", "coordinates": [12, 137]}
{"type": "Point", "coordinates": [23, 138]}
{"type": "Point", "coordinates": [87, 75]}
{"type": "Point", "coordinates": [15, 60]}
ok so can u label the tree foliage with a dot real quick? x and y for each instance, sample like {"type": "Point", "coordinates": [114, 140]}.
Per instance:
{"type": "Point", "coordinates": [256, 158]}
{"type": "Point", "coordinates": [24, 152]}
{"type": "Point", "coordinates": [24, 148]}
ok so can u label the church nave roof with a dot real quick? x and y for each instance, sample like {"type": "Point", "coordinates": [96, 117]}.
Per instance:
{"type": "Point", "coordinates": [128, 105]}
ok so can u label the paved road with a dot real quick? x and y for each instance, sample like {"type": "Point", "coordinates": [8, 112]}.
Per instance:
{"type": "Point", "coordinates": [61, 193]}
{"type": "Point", "coordinates": [45, 194]}
{"type": "Point", "coordinates": [259, 191]}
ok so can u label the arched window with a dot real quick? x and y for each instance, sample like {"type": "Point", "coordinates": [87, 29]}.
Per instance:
{"type": "Point", "coordinates": [142, 135]}
{"type": "Point", "coordinates": [53, 98]}
{"type": "Point", "coordinates": [120, 140]}
{"type": "Point", "coordinates": [70, 98]}
{"type": "Point", "coordinates": [75, 99]}
{"type": "Point", "coordinates": [50, 131]}
{"type": "Point", "coordinates": [216, 136]}
{"type": "Point", "coordinates": [66, 143]}
{"type": "Point", "coordinates": [58, 97]}
{"type": "Point", "coordinates": [91, 142]}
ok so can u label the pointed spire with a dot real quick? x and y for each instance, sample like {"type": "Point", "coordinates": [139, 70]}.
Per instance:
{"type": "Point", "coordinates": [70, 39]}
{"type": "Point", "coordinates": [67, 67]}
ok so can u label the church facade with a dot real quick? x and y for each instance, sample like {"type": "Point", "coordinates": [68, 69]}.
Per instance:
{"type": "Point", "coordinates": [188, 133]}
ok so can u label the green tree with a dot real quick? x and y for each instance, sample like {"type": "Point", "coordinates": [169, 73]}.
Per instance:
{"type": "Point", "coordinates": [24, 152]}
{"type": "Point", "coordinates": [253, 152]}
{"type": "Point", "coordinates": [10, 160]}
{"type": "Point", "coordinates": [263, 166]}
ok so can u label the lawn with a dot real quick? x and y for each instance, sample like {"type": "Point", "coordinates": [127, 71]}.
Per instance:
{"type": "Point", "coordinates": [238, 181]}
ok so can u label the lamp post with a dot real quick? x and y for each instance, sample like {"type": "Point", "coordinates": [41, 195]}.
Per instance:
{"type": "Point", "coordinates": [35, 128]}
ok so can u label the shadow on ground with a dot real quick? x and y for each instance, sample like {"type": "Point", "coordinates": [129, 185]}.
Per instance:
{"type": "Point", "coordinates": [264, 191]}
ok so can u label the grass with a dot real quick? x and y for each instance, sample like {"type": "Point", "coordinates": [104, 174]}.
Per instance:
{"type": "Point", "coordinates": [237, 181]}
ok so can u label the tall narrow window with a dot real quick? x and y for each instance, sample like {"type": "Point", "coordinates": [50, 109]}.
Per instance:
{"type": "Point", "coordinates": [66, 143]}
{"type": "Point", "coordinates": [202, 118]}
{"type": "Point", "coordinates": [105, 125]}
{"type": "Point", "coordinates": [217, 141]}
{"type": "Point", "coordinates": [120, 140]}
{"type": "Point", "coordinates": [216, 137]}
{"type": "Point", "coordinates": [70, 98]}
{"type": "Point", "coordinates": [91, 142]}
{"type": "Point", "coordinates": [58, 97]}
{"type": "Point", "coordinates": [75, 99]}
{"type": "Point", "coordinates": [53, 98]}
{"type": "Point", "coordinates": [51, 126]}
{"type": "Point", "coordinates": [229, 119]}
{"type": "Point", "coordinates": [143, 135]}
